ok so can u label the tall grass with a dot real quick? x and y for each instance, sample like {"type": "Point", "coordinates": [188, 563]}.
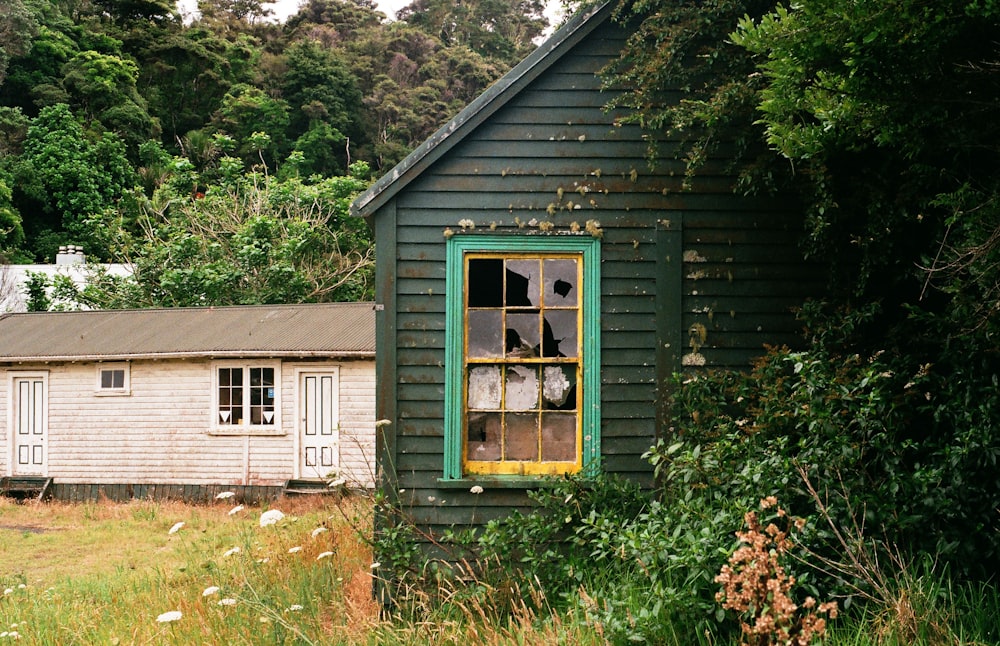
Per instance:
{"type": "Point", "coordinates": [103, 573]}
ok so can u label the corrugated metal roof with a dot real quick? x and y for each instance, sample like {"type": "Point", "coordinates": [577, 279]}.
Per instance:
{"type": "Point", "coordinates": [311, 330]}
{"type": "Point", "coordinates": [487, 103]}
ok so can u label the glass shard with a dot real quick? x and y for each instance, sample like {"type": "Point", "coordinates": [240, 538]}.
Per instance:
{"type": "Point", "coordinates": [522, 335]}
{"type": "Point", "coordinates": [559, 437]}
{"type": "Point", "coordinates": [524, 283]}
{"type": "Point", "coordinates": [485, 333]}
{"type": "Point", "coordinates": [483, 442]}
{"type": "Point", "coordinates": [560, 282]}
{"type": "Point", "coordinates": [522, 437]}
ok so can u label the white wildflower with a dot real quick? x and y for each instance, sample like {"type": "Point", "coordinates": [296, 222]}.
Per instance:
{"type": "Point", "coordinates": [176, 528]}
{"type": "Point", "coordinates": [339, 482]}
{"type": "Point", "coordinates": [376, 565]}
{"type": "Point", "coordinates": [324, 555]}
{"type": "Point", "coordinates": [227, 602]}
{"type": "Point", "coordinates": [294, 607]}
{"type": "Point", "coordinates": [210, 590]}
{"type": "Point", "coordinates": [224, 494]}
{"type": "Point", "coordinates": [271, 517]}
{"type": "Point", "coordinates": [235, 510]}
{"type": "Point", "coordinates": [167, 617]}
{"type": "Point", "coordinates": [8, 591]}
{"type": "Point", "coordinates": [382, 422]}
{"type": "Point", "coordinates": [294, 550]}
{"type": "Point", "coordinates": [476, 489]}
{"type": "Point", "coordinates": [319, 530]}
{"type": "Point", "coordinates": [231, 551]}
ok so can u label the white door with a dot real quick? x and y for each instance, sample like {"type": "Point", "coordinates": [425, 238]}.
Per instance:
{"type": "Point", "coordinates": [319, 435]}
{"type": "Point", "coordinates": [30, 420]}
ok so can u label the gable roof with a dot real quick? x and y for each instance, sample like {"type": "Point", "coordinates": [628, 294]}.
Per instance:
{"type": "Point", "coordinates": [345, 330]}
{"type": "Point", "coordinates": [495, 97]}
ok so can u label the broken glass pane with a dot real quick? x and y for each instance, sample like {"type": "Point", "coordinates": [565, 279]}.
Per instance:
{"type": "Point", "coordinates": [558, 437]}
{"type": "Point", "coordinates": [522, 437]}
{"type": "Point", "coordinates": [522, 335]}
{"type": "Point", "coordinates": [483, 443]}
{"type": "Point", "coordinates": [484, 387]}
{"type": "Point", "coordinates": [560, 283]}
{"type": "Point", "coordinates": [485, 333]}
{"type": "Point", "coordinates": [485, 283]}
{"type": "Point", "coordinates": [524, 283]}
{"type": "Point", "coordinates": [560, 337]}
{"type": "Point", "coordinates": [522, 388]}
{"type": "Point", "coordinates": [559, 387]}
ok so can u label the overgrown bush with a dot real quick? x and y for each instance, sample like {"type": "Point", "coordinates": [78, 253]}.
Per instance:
{"type": "Point", "coordinates": [897, 443]}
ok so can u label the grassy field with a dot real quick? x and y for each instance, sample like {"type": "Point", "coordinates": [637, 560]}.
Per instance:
{"type": "Point", "coordinates": [130, 573]}
{"type": "Point", "coordinates": [107, 573]}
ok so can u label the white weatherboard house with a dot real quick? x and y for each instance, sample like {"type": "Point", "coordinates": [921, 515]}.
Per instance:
{"type": "Point", "coordinates": [188, 402]}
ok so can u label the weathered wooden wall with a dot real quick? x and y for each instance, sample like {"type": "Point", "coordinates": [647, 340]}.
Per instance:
{"type": "Point", "coordinates": [160, 432]}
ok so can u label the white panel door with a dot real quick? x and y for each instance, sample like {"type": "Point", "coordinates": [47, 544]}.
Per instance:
{"type": "Point", "coordinates": [30, 417]}
{"type": "Point", "coordinates": [319, 434]}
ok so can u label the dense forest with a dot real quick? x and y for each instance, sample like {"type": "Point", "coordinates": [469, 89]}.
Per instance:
{"type": "Point", "coordinates": [218, 156]}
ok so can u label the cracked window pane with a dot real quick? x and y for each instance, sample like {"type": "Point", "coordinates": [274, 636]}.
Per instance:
{"type": "Point", "coordinates": [483, 442]}
{"type": "Point", "coordinates": [522, 437]}
{"type": "Point", "coordinates": [484, 387]}
{"type": "Point", "coordinates": [522, 388]}
{"type": "Point", "coordinates": [522, 335]}
{"type": "Point", "coordinates": [524, 283]}
{"type": "Point", "coordinates": [559, 437]}
{"type": "Point", "coordinates": [559, 388]}
{"type": "Point", "coordinates": [485, 333]}
{"type": "Point", "coordinates": [560, 283]}
{"type": "Point", "coordinates": [485, 282]}
{"type": "Point", "coordinates": [560, 333]}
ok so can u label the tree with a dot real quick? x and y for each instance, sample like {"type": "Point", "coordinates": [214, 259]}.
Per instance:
{"type": "Point", "coordinates": [501, 29]}
{"type": "Point", "coordinates": [320, 89]}
{"type": "Point", "coordinates": [103, 88]}
{"type": "Point", "coordinates": [258, 241]}
{"type": "Point", "coordinates": [69, 177]}
{"type": "Point", "coordinates": [17, 30]}
{"type": "Point", "coordinates": [11, 229]}
{"type": "Point", "coordinates": [891, 109]}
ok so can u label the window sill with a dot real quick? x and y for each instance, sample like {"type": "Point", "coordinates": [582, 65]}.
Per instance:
{"type": "Point", "coordinates": [240, 431]}
{"type": "Point", "coordinates": [112, 393]}
{"type": "Point", "coordinates": [500, 482]}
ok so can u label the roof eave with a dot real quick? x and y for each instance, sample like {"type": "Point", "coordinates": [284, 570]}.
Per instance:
{"type": "Point", "coordinates": [222, 354]}
{"type": "Point", "coordinates": [494, 98]}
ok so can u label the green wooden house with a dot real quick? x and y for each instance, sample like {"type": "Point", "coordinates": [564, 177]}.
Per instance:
{"type": "Point", "coordinates": [539, 283]}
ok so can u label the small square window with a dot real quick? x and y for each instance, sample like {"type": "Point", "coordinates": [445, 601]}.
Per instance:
{"type": "Point", "coordinates": [246, 399]}
{"type": "Point", "coordinates": [113, 379]}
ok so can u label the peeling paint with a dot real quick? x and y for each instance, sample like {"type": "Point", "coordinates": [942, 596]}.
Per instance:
{"type": "Point", "coordinates": [692, 255]}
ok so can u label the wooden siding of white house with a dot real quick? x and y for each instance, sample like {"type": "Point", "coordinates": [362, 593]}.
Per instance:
{"type": "Point", "coordinates": [161, 431]}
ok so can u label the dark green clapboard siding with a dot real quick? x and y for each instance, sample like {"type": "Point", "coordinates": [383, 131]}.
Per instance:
{"type": "Point", "coordinates": [551, 154]}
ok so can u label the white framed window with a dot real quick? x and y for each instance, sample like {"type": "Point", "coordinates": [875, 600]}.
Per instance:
{"type": "Point", "coordinates": [246, 398]}
{"type": "Point", "coordinates": [113, 379]}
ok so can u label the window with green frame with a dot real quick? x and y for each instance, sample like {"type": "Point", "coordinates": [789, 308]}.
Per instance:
{"type": "Point", "coordinates": [522, 384]}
